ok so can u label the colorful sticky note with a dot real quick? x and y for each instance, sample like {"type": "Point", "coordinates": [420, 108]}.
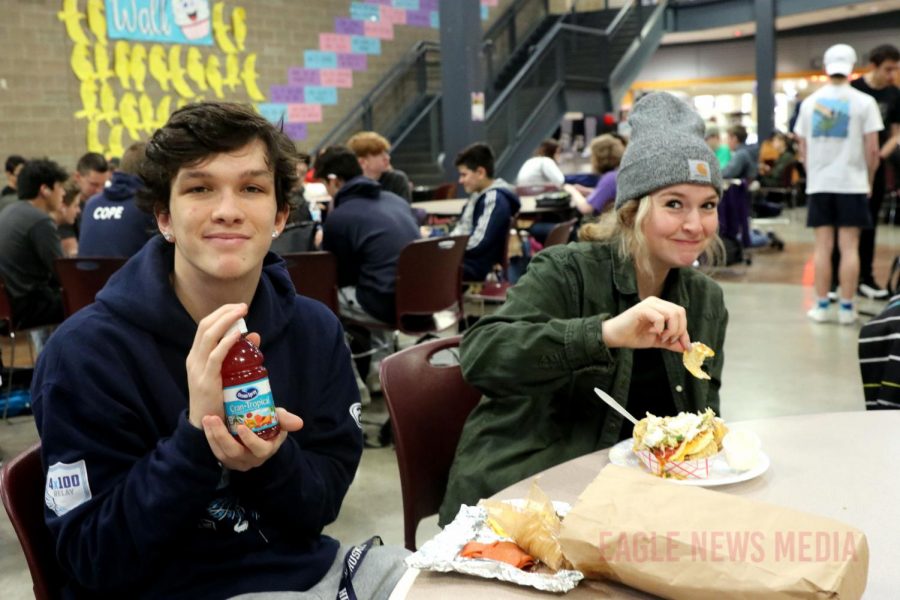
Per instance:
{"type": "Point", "coordinates": [334, 42]}
{"type": "Point", "coordinates": [302, 76]}
{"type": "Point", "coordinates": [339, 78]}
{"type": "Point", "coordinates": [435, 19]}
{"type": "Point", "coordinates": [365, 45]}
{"type": "Point", "coordinates": [407, 4]}
{"type": "Point", "coordinates": [296, 131]}
{"type": "Point", "coordinates": [395, 16]}
{"type": "Point", "coordinates": [271, 111]}
{"type": "Point", "coordinates": [429, 4]}
{"type": "Point", "coordinates": [364, 12]}
{"type": "Point", "coordinates": [418, 18]}
{"type": "Point", "coordinates": [379, 30]}
{"type": "Point", "coordinates": [484, 12]}
{"type": "Point", "coordinates": [355, 61]}
{"type": "Point", "coordinates": [286, 93]}
{"type": "Point", "coordinates": [317, 94]}
{"type": "Point", "coordinates": [318, 59]}
{"type": "Point", "coordinates": [348, 26]}
{"type": "Point", "coordinates": [489, 2]}
{"type": "Point", "coordinates": [304, 113]}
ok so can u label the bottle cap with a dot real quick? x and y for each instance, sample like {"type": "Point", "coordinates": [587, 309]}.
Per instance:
{"type": "Point", "coordinates": [241, 326]}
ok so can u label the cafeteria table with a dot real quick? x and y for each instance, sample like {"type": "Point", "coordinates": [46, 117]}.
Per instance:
{"type": "Point", "coordinates": [837, 465]}
{"type": "Point", "coordinates": [453, 208]}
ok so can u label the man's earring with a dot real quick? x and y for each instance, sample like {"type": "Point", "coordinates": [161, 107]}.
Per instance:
{"type": "Point", "coordinates": [167, 236]}
{"type": "Point", "coordinates": [274, 233]}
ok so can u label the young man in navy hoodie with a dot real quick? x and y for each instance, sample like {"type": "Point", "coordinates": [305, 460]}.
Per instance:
{"type": "Point", "coordinates": [486, 216]}
{"type": "Point", "coordinates": [147, 493]}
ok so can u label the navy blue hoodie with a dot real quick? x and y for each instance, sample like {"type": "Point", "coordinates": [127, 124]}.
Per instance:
{"type": "Point", "coordinates": [486, 219]}
{"type": "Point", "coordinates": [111, 223]}
{"type": "Point", "coordinates": [159, 517]}
{"type": "Point", "coordinates": [366, 232]}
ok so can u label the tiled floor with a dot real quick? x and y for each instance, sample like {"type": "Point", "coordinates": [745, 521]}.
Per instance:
{"type": "Point", "coordinates": [778, 363]}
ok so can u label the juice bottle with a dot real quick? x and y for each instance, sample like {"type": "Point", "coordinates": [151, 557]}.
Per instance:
{"type": "Point", "coordinates": [248, 396]}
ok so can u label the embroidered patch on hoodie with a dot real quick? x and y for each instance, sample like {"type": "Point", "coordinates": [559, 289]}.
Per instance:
{"type": "Point", "coordinates": [67, 487]}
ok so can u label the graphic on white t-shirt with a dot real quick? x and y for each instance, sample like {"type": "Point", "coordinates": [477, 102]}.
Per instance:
{"type": "Point", "coordinates": [831, 118]}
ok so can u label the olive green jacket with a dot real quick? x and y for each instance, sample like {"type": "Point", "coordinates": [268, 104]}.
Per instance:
{"type": "Point", "coordinates": [538, 358]}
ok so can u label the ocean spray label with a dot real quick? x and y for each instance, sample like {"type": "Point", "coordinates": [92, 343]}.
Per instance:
{"type": "Point", "coordinates": [250, 404]}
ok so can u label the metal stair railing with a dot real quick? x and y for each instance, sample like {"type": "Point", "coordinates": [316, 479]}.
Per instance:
{"type": "Point", "coordinates": [387, 105]}
{"type": "Point", "coordinates": [502, 40]}
{"type": "Point", "coordinates": [569, 58]}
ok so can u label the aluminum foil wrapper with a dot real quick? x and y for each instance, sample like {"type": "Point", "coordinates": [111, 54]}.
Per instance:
{"type": "Point", "coordinates": [442, 554]}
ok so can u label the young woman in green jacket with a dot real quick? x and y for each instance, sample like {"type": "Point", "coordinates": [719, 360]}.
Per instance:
{"type": "Point", "coordinates": [615, 311]}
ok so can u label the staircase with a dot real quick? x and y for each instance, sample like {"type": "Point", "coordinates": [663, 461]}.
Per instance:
{"type": "Point", "coordinates": [537, 67]}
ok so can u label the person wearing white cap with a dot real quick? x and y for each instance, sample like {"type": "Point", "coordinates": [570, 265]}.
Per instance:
{"type": "Point", "coordinates": [838, 129]}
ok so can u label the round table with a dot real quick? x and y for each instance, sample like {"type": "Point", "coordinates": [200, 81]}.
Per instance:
{"type": "Point", "coordinates": [838, 465]}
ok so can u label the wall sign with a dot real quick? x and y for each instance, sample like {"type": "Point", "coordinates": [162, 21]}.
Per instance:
{"type": "Point", "coordinates": [172, 22]}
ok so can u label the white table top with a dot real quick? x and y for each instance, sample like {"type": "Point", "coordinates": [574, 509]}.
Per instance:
{"type": "Point", "coordinates": [453, 208]}
{"type": "Point", "coordinates": [838, 465]}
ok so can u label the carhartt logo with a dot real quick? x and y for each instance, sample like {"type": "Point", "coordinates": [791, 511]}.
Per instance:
{"type": "Point", "coordinates": [699, 170]}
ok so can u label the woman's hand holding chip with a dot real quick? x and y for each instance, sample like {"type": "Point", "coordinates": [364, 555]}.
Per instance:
{"type": "Point", "coordinates": [652, 323]}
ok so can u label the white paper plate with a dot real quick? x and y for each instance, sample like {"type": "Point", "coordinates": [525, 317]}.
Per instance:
{"type": "Point", "coordinates": [720, 472]}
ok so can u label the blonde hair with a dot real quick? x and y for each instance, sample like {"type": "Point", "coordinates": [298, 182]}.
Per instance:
{"type": "Point", "coordinates": [368, 143]}
{"type": "Point", "coordinates": [624, 227]}
{"type": "Point", "coordinates": [70, 191]}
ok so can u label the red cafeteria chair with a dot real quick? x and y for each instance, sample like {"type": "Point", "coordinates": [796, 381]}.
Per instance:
{"type": "Point", "coordinates": [22, 492]}
{"type": "Point", "coordinates": [428, 405]}
{"type": "Point", "coordinates": [81, 278]}
{"type": "Point", "coordinates": [315, 276]}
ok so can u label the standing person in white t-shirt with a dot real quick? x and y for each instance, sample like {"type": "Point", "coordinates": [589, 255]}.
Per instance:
{"type": "Point", "coordinates": [838, 129]}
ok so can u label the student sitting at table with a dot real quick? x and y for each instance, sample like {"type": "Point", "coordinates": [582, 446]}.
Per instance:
{"type": "Point", "coordinates": [148, 494]}
{"type": "Point", "coordinates": [614, 312]}
{"type": "Point", "coordinates": [486, 216]}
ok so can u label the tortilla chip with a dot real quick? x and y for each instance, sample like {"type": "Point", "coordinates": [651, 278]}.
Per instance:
{"type": "Point", "coordinates": [694, 446]}
{"type": "Point", "coordinates": [693, 359]}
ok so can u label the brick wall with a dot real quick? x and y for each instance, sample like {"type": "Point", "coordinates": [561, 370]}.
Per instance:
{"type": "Point", "coordinates": [40, 93]}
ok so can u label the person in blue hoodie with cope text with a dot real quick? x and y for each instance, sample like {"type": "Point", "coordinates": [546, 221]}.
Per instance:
{"type": "Point", "coordinates": [112, 224]}
{"type": "Point", "coordinates": [147, 494]}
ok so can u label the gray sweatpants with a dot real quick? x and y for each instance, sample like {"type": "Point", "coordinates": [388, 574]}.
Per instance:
{"type": "Point", "coordinates": [374, 580]}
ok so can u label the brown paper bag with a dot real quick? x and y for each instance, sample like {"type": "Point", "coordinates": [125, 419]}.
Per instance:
{"type": "Point", "coordinates": [685, 542]}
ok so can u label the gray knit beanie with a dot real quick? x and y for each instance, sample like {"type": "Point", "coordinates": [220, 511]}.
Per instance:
{"type": "Point", "coordinates": [667, 147]}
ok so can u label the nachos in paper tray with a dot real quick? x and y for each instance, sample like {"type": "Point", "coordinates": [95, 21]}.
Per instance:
{"type": "Point", "coordinates": [681, 446]}
{"type": "Point", "coordinates": [515, 541]}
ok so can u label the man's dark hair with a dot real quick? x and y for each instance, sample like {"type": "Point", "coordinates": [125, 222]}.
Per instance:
{"type": "Point", "coordinates": [132, 158]}
{"type": "Point", "coordinates": [92, 162]}
{"type": "Point", "coordinates": [339, 161]}
{"type": "Point", "coordinates": [305, 158]}
{"type": "Point", "coordinates": [13, 161]}
{"type": "Point", "coordinates": [879, 54]}
{"type": "Point", "coordinates": [38, 172]}
{"type": "Point", "coordinates": [200, 130]}
{"type": "Point", "coordinates": [738, 131]}
{"type": "Point", "coordinates": [477, 155]}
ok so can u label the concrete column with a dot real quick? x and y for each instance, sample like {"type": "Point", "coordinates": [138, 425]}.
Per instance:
{"type": "Point", "coordinates": [461, 75]}
{"type": "Point", "coordinates": [765, 67]}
